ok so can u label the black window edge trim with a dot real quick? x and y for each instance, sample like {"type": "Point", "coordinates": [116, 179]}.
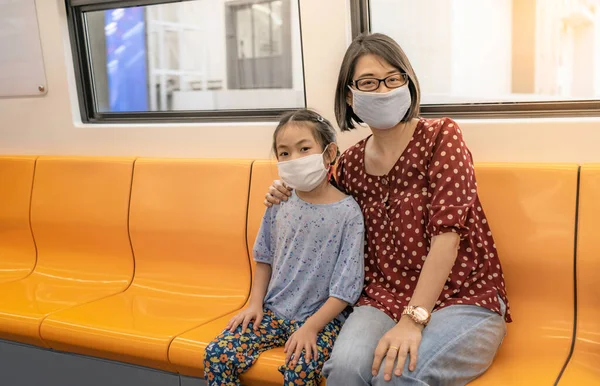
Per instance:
{"type": "Point", "coordinates": [264, 115]}
{"type": "Point", "coordinates": [361, 22]}
{"type": "Point", "coordinates": [360, 17]}
{"type": "Point", "coordinates": [584, 108]}
{"type": "Point", "coordinates": [85, 88]}
{"type": "Point", "coordinates": [99, 5]}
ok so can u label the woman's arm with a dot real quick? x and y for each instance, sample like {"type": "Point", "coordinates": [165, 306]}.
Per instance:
{"type": "Point", "coordinates": [405, 337]}
{"type": "Point", "coordinates": [436, 269]}
{"type": "Point", "coordinates": [453, 192]}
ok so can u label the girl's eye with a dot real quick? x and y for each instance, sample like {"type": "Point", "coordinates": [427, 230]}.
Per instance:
{"type": "Point", "coordinates": [283, 154]}
{"type": "Point", "coordinates": [305, 149]}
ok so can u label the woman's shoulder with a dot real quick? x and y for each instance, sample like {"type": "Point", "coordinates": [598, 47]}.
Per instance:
{"type": "Point", "coordinates": [437, 123]}
{"type": "Point", "coordinates": [350, 159]}
{"type": "Point", "coordinates": [436, 130]}
{"type": "Point", "coordinates": [354, 151]}
{"type": "Point", "coordinates": [442, 124]}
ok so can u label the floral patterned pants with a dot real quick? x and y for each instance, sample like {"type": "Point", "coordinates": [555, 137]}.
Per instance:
{"type": "Point", "coordinates": [231, 354]}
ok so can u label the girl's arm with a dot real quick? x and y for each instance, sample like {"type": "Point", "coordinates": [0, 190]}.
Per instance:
{"type": "Point", "coordinates": [263, 256]}
{"type": "Point", "coordinates": [330, 309]}
{"type": "Point", "coordinates": [348, 275]}
{"type": "Point", "coordinates": [305, 338]}
{"type": "Point", "coordinates": [262, 277]}
{"type": "Point", "coordinates": [254, 311]}
{"type": "Point", "coordinates": [344, 289]}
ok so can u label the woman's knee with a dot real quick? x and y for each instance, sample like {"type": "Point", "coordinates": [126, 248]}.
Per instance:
{"type": "Point", "coordinates": [352, 356]}
{"type": "Point", "coordinates": [458, 346]}
{"type": "Point", "coordinates": [349, 367]}
{"type": "Point", "coordinates": [406, 379]}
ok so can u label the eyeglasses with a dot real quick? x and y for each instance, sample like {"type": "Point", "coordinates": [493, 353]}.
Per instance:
{"type": "Point", "coordinates": [372, 84]}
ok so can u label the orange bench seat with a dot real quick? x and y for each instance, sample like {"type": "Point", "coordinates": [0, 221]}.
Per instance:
{"type": "Point", "coordinates": [187, 226]}
{"type": "Point", "coordinates": [187, 350]}
{"type": "Point", "coordinates": [17, 248]}
{"type": "Point", "coordinates": [79, 210]}
{"type": "Point", "coordinates": [584, 365]}
{"type": "Point", "coordinates": [532, 212]}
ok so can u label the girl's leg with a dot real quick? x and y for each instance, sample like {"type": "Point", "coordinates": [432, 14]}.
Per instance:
{"type": "Point", "coordinates": [309, 373]}
{"type": "Point", "coordinates": [231, 354]}
{"type": "Point", "coordinates": [457, 346]}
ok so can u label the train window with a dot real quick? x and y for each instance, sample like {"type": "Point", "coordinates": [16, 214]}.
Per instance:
{"type": "Point", "coordinates": [482, 58]}
{"type": "Point", "coordinates": [166, 60]}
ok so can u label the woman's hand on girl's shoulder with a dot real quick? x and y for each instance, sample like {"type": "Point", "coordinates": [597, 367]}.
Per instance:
{"type": "Point", "coordinates": [278, 192]}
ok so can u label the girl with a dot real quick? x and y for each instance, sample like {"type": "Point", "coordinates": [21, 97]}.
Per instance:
{"type": "Point", "coordinates": [309, 264]}
{"type": "Point", "coordinates": [434, 304]}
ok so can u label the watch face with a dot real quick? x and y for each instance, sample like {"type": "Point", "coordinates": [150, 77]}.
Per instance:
{"type": "Point", "coordinates": [421, 313]}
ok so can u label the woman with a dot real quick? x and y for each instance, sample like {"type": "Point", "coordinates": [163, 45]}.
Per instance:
{"type": "Point", "coordinates": [433, 309]}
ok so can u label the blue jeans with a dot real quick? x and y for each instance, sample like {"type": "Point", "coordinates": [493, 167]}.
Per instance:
{"type": "Point", "coordinates": [457, 346]}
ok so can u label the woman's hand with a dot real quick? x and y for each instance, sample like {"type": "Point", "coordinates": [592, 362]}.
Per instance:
{"type": "Point", "coordinates": [399, 342]}
{"type": "Point", "coordinates": [253, 312]}
{"type": "Point", "coordinates": [305, 338]}
{"type": "Point", "coordinates": [278, 192]}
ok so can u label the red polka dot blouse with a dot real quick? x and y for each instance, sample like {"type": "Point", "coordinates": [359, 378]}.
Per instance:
{"type": "Point", "coordinates": [429, 191]}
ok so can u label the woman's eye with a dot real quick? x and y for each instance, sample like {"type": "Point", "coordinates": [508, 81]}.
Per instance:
{"type": "Point", "coordinates": [283, 154]}
{"type": "Point", "coordinates": [305, 149]}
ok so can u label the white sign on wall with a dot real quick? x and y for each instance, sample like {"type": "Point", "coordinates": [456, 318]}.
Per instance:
{"type": "Point", "coordinates": [21, 60]}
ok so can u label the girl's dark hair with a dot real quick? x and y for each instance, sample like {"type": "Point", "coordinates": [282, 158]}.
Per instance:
{"type": "Point", "coordinates": [385, 47]}
{"type": "Point", "coordinates": [322, 129]}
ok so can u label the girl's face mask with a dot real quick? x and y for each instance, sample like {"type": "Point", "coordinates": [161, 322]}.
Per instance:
{"type": "Point", "coordinates": [304, 174]}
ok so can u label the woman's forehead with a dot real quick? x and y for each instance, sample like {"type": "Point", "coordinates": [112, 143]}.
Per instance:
{"type": "Point", "coordinates": [372, 65]}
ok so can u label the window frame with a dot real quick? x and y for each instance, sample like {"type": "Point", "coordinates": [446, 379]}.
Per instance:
{"type": "Point", "coordinates": [84, 77]}
{"type": "Point", "coordinates": [361, 23]}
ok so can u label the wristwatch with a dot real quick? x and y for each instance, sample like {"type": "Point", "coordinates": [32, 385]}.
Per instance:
{"type": "Point", "coordinates": [418, 314]}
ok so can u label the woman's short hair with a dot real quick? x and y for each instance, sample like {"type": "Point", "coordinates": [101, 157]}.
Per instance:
{"type": "Point", "coordinates": [386, 48]}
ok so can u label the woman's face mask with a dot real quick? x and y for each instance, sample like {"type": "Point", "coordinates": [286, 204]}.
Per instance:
{"type": "Point", "coordinates": [381, 110]}
{"type": "Point", "coordinates": [304, 174]}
